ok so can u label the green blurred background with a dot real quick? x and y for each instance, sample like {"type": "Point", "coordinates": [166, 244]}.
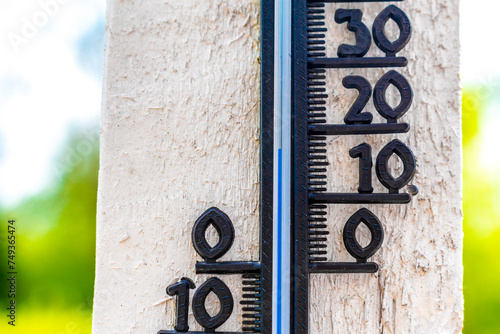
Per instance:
{"type": "Point", "coordinates": [56, 245]}
{"type": "Point", "coordinates": [481, 213]}
{"type": "Point", "coordinates": [56, 225]}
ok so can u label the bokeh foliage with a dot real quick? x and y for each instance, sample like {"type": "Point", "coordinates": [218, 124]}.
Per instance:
{"type": "Point", "coordinates": [481, 220]}
{"type": "Point", "coordinates": [56, 244]}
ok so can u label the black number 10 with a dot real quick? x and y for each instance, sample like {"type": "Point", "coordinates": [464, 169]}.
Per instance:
{"type": "Point", "coordinates": [363, 152]}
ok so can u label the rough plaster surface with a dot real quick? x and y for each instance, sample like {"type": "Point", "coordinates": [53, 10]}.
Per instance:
{"type": "Point", "coordinates": [180, 134]}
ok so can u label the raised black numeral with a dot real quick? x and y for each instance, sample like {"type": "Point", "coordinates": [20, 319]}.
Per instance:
{"type": "Point", "coordinates": [363, 38]}
{"type": "Point", "coordinates": [353, 18]}
{"type": "Point", "coordinates": [181, 290]}
{"type": "Point", "coordinates": [355, 114]}
{"type": "Point", "coordinates": [222, 292]}
{"type": "Point", "coordinates": [364, 153]}
{"type": "Point", "coordinates": [224, 227]}
{"type": "Point", "coordinates": [409, 164]}
{"type": "Point", "coordinates": [381, 40]}
{"type": "Point", "coordinates": [377, 235]}
{"type": "Point", "coordinates": [379, 96]}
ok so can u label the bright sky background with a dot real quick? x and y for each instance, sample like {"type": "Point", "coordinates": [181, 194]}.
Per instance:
{"type": "Point", "coordinates": [51, 80]}
{"type": "Point", "coordinates": [480, 29]}
{"type": "Point", "coordinates": [480, 67]}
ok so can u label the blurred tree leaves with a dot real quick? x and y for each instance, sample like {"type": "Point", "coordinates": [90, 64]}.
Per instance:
{"type": "Point", "coordinates": [481, 222]}
{"type": "Point", "coordinates": [56, 232]}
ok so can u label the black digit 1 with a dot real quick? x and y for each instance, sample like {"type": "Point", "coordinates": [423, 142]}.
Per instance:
{"type": "Point", "coordinates": [382, 42]}
{"type": "Point", "coordinates": [222, 292]}
{"type": "Point", "coordinates": [409, 164]}
{"type": "Point", "coordinates": [355, 114]}
{"type": "Point", "coordinates": [181, 290]}
{"type": "Point", "coordinates": [364, 153]}
{"type": "Point", "coordinates": [363, 37]}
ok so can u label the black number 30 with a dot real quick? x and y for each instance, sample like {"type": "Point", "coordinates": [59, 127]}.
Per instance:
{"type": "Point", "coordinates": [353, 18]}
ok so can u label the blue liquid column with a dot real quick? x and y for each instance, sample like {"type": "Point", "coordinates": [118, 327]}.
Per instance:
{"type": "Point", "coordinates": [282, 167]}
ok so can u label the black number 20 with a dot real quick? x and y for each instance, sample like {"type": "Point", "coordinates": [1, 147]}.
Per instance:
{"type": "Point", "coordinates": [355, 114]}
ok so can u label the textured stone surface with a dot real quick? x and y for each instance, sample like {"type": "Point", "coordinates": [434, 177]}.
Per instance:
{"type": "Point", "coordinates": [180, 134]}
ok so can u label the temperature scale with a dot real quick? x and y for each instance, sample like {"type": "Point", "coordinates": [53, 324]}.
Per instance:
{"type": "Point", "coordinates": [294, 197]}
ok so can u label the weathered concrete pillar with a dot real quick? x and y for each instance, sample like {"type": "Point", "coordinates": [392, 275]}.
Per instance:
{"type": "Point", "coordinates": [180, 134]}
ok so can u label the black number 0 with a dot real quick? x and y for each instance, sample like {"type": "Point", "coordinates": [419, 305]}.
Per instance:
{"type": "Point", "coordinates": [222, 292]}
{"type": "Point", "coordinates": [224, 227]}
{"type": "Point", "coordinates": [352, 245]}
